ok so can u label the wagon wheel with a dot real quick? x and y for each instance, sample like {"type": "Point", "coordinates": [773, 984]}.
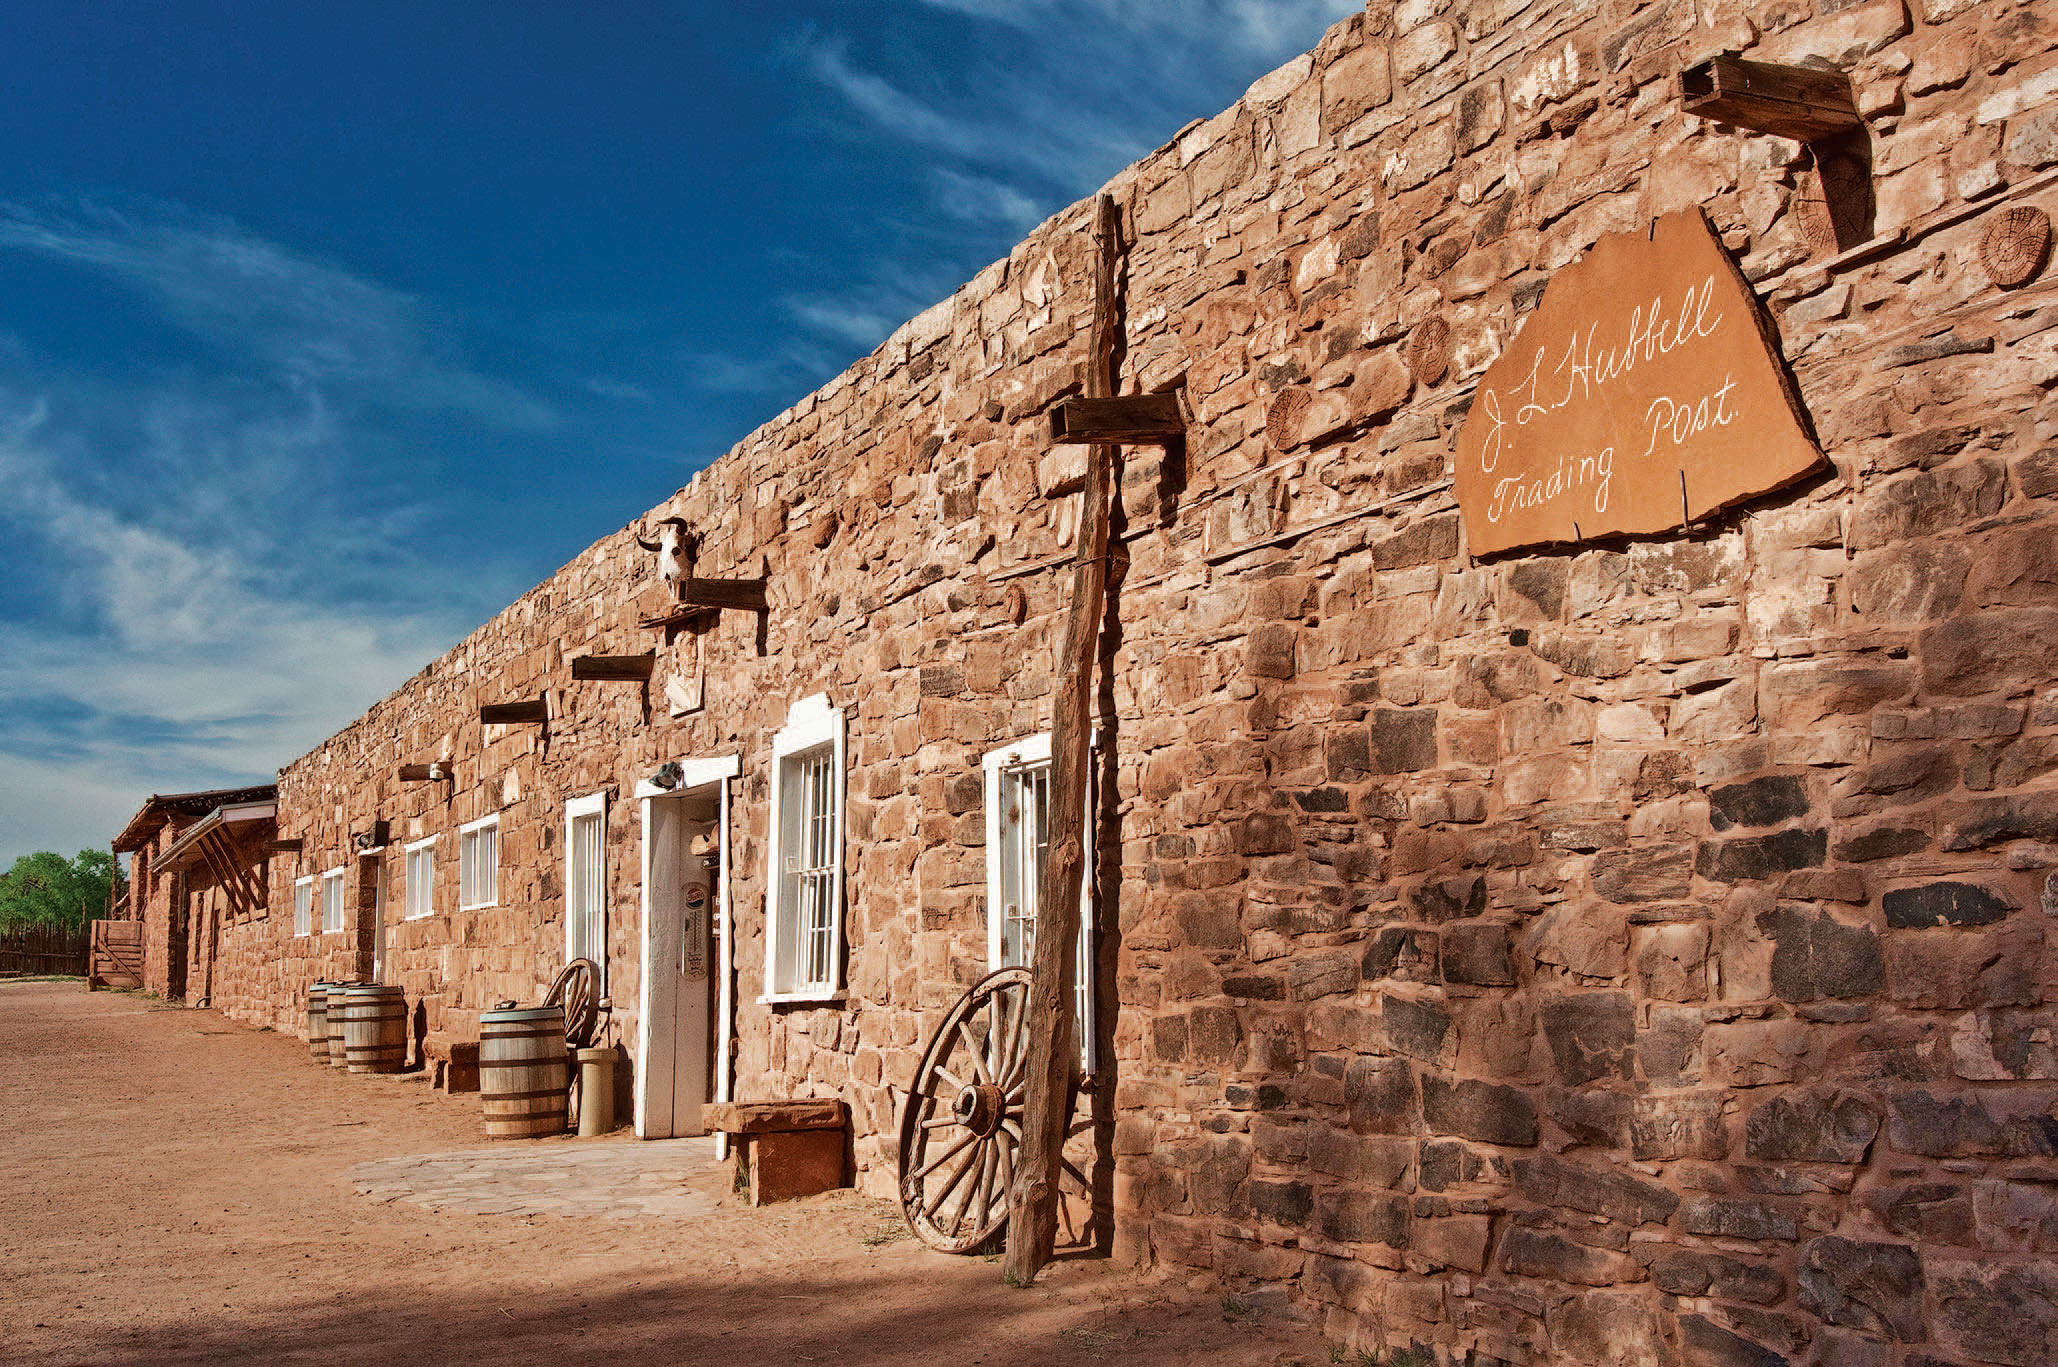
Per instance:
{"type": "Point", "coordinates": [962, 1125]}
{"type": "Point", "coordinates": [577, 989]}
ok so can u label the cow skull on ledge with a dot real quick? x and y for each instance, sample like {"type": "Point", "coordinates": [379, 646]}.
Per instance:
{"type": "Point", "coordinates": [676, 547]}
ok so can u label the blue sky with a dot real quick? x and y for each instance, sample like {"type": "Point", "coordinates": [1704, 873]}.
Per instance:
{"type": "Point", "coordinates": [327, 329]}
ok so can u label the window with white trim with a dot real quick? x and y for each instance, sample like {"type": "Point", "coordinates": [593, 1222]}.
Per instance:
{"type": "Point", "coordinates": [586, 881]}
{"type": "Point", "coordinates": [420, 875]}
{"type": "Point", "coordinates": [478, 863]}
{"type": "Point", "coordinates": [1017, 847]}
{"type": "Point", "coordinates": [804, 874]}
{"type": "Point", "coordinates": [332, 900]}
{"type": "Point", "coordinates": [303, 905]}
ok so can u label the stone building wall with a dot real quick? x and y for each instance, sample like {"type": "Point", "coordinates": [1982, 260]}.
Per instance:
{"type": "Point", "coordinates": [152, 901]}
{"type": "Point", "coordinates": [1622, 954]}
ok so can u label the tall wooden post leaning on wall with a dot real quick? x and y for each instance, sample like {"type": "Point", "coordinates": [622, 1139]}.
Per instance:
{"type": "Point", "coordinates": [1032, 1221]}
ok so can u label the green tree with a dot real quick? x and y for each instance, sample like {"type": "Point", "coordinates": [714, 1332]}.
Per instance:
{"type": "Point", "coordinates": [46, 889]}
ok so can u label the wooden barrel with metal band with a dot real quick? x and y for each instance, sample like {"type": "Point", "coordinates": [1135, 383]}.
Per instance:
{"type": "Point", "coordinates": [524, 1071]}
{"type": "Point", "coordinates": [318, 1021]}
{"type": "Point", "coordinates": [374, 1028]}
{"type": "Point", "coordinates": [336, 991]}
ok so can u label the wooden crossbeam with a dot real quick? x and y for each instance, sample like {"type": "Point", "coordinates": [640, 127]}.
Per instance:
{"type": "Point", "coordinates": [615, 668]}
{"type": "Point", "coordinates": [289, 846]}
{"type": "Point", "coordinates": [1126, 419]}
{"type": "Point", "coordinates": [238, 882]}
{"type": "Point", "coordinates": [514, 713]}
{"type": "Point", "coordinates": [1803, 103]}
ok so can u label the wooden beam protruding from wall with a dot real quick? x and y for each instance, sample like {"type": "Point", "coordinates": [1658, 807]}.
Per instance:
{"type": "Point", "coordinates": [1126, 419]}
{"type": "Point", "coordinates": [746, 595]}
{"type": "Point", "coordinates": [514, 713]}
{"type": "Point", "coordinates": [1804, 103]}
{"type": "Point", "coordinates": [615, 668]}
{"type": "Point", "coordinates": [442, 771]}
{"type": "Point", "coordinates": [291, 846]}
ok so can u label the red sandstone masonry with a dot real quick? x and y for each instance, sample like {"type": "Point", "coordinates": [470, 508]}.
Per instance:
{"type": "Point", "coordinates": [1623, 956]}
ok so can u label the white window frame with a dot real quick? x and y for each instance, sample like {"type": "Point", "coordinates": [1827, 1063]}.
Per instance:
{"type": "Point", "coordinates": [812, 724]}
{"type": "Point", "coordinates": [576, 810]}
{"type": "Point", "coordinates": [303, 905]}
{"type": "Point", "coordinates": [333, 920]}
{"type": "Point", "coordinates": [1029, 753]}
{"type": "Point", "coordinates": [468, 838]}
{"type": "Point", "coordinates": [421, 883]}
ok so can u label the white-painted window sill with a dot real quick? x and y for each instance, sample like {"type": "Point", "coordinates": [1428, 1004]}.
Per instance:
{"type": "Point", "coordinates": [790, 998]}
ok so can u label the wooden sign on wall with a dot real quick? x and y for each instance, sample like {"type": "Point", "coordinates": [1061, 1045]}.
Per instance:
{"type": "Point", "coordinates": [1643, 394]}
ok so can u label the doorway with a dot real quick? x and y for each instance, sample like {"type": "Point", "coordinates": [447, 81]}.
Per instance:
{"type": "Point", "coordinates": [681, 1050]}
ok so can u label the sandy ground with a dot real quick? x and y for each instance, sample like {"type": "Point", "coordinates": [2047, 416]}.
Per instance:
{"type": "Point", "coordinates": [178, 1194]}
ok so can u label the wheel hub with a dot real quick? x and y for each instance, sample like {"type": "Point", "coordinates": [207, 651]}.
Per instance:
{"type": "Point", "coordinates": [979, 1108]}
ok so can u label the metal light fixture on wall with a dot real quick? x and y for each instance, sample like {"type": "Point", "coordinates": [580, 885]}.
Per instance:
{"type": "Point", "coordinates": [668, 776]}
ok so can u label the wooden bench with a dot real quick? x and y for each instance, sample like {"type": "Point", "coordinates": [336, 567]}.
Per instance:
{"type": "Point", "coordinates": [785, 1149]}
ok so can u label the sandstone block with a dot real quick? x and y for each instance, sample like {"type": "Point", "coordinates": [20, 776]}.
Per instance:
{"type": "Point", "coordinates": [1760, 802]}
{"type": "Point", "coordinates": [1644, 873]}
{"type": "Point", "coordinates": [1973, 1124]}
{"type": "Point", "coordinates": [1398, 953]}
{"type": "Point", "coordinates": [1943, 904]}
{"type": "Point", "coordinates": [1697, 1272]}
{"type": "Point", "coordinates": [1737, 1218]}
{"type": "Point", "coordinates": [1459, 1241]}
{"type": "Point", "coordinates": [1470, 1109]}
{"type": "Point", "coordinates": [1552, 1181]}
{"type": "Point", "coordinates": [1983, 653]}
{"type": "Point", "coordinates": [1403, 740]}
{"type": "Point", "coordinates": [1761, 856]}
{"type": "Point", "coordinates": [1591, 1035]}
{"type": "Point", "coordinates": [1994, 1312]}
{"type": "Point", "coordinates": [1876, 1287]}
{"type": "Point", "coordinates": [1533, 1253]}
{"type": "Point", "coordinates": [1365, 1217]}
{"type": "Point", "coordinates": [1354, 85]}
{"type": "Point", "coordinates": [1381, 1096]}
{"type": "Point", "coordinates": [1816, 956]}
{"type": "Point", "coordinates": [1933, 1212]}
{"type": "Point", "coordinates": [1478, 954]}
{"type": "Point", "coordinates": [1690, 1125]}
{"type": "Point", "coordinates": [1813, 1125]}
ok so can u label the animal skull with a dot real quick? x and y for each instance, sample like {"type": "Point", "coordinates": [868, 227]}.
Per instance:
{"type": "Point", "coordinates": [676, 547]}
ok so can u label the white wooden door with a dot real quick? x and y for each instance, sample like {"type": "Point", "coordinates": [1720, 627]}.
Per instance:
{"type": "Point", "coordinates": [678, 971]}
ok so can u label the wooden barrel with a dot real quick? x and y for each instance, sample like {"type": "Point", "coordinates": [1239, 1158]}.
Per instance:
{"type": "Point", "coordinates": [336, 990]}
{"type": "Point", "coordinates": [318, 1021]}
{"type": "Point", "coordinates": [374, 1028]}
{"type": "Point", "coordinates": [524, 1072]}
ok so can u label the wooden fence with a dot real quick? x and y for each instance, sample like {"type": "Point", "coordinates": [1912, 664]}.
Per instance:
{"type": "Point", "coordinates": [40, 950]}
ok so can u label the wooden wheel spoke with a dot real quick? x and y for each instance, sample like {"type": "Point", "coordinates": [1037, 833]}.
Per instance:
{"type": "Point", "coordinates": [957, 1175]}
{"type": "Point", "coordinates": [948, 1154]}
{"type": "Point", "coordinates": [948, 1079]}
{"type": "Point", "coordinates": [941, 1122]}
{"type": "Point", "coordinates": [975, 1194]}
{"type": "Point", "coordinates": [972, 1048]}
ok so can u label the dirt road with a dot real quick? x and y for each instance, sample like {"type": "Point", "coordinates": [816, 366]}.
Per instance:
{"type": "Point", "coordinates": [178, 1192]}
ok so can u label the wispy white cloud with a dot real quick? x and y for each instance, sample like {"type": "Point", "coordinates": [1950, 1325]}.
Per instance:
{"type": "Point", "coordinates": [1027, 120]}
{"type": "Point", "coordinates": [179, 659]}
{"type": "Point", "coordinates": [984, 199]}
{"type": "Point", "coordinates": [309, 321]}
